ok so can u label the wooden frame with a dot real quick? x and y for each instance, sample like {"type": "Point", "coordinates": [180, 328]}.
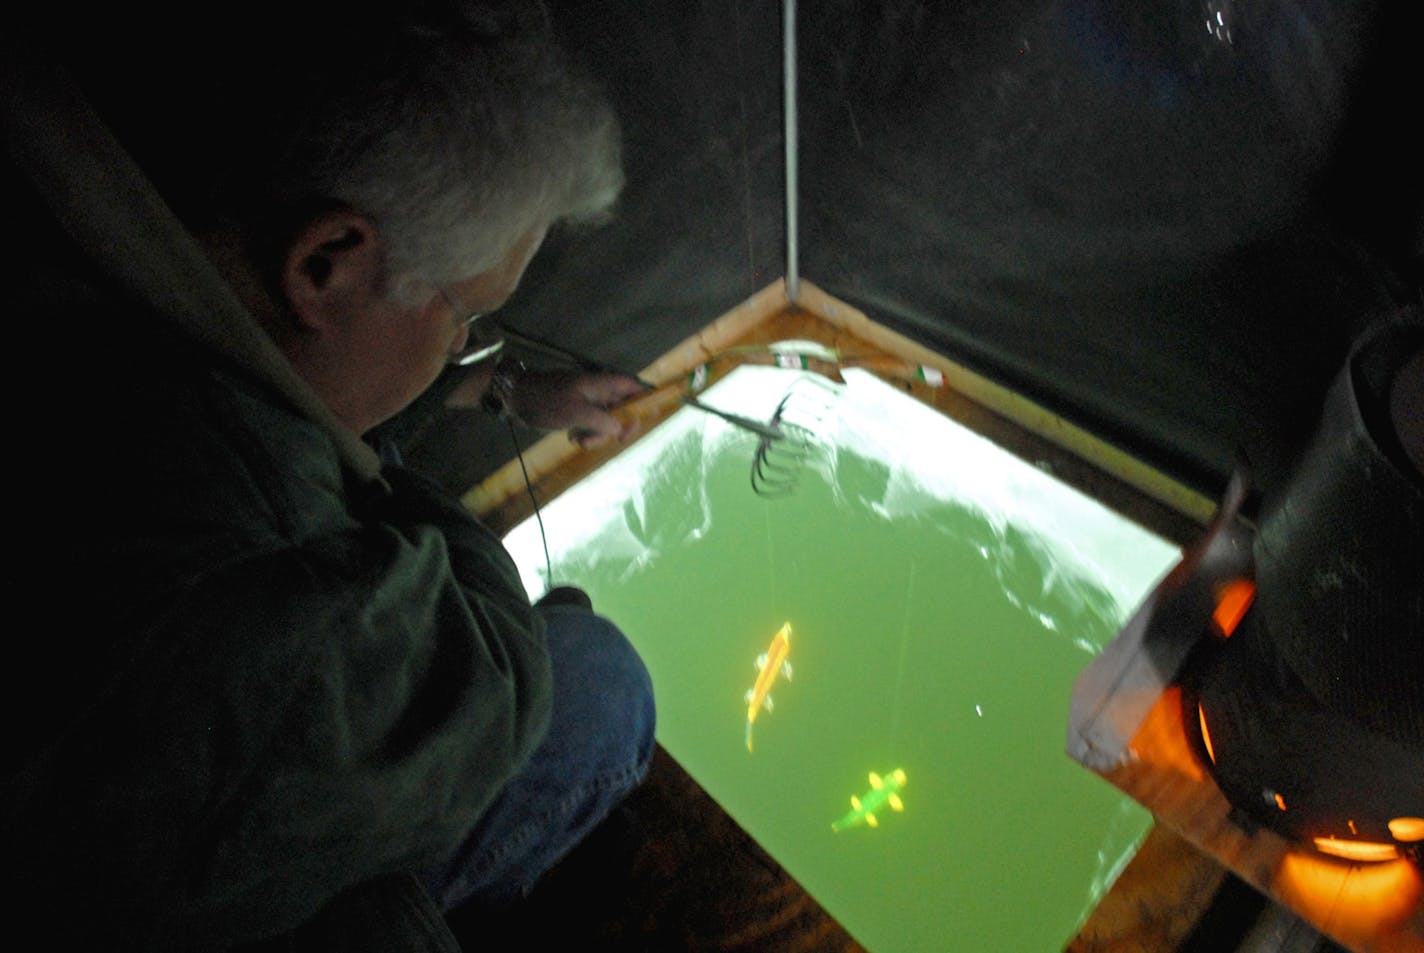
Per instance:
{"type": "Point", "coordinates": [1014, 422]}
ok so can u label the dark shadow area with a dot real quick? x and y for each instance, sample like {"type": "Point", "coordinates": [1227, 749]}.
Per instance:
{"type": "Point", "coordinates": [668, 871]}
{"type": "Point", "coordinates": [1233, 911]}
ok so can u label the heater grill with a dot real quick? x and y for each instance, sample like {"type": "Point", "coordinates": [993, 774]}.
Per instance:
{"type": "Point", "coordinates": [1313, 710]}
{"type": "Point", "coordinates": [1286, 761]}
{"type": "Point", "coordinates": [1340, 558]}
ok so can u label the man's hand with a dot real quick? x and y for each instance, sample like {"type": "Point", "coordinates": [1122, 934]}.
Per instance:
{"type": "Point", "coordinates": [576, 401]}
{"type": "Point", "coordinates": [561, 399]}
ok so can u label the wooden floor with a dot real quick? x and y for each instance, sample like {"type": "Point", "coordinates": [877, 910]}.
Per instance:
{"type": "Point", "coordinates": [668, 871]}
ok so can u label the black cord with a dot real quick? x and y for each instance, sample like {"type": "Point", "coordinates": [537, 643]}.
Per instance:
{"type": "Point", "coordinates": [538, 516]}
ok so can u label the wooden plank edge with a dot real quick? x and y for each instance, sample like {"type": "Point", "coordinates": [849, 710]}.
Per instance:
{"type": "Point", "coordinates": [1156, 901]}
{"type": "Point", "coordinates": [1015, 407]}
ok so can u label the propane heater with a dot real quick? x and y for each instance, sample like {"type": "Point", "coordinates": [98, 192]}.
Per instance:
{"type": "Point", "coordinates": [1298, 646]}
{"type": "Point", "coordinates": [1308, 698]}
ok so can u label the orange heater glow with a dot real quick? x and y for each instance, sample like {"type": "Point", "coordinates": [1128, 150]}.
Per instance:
{"type": "Point", "coordinates": [1361, 900]}
{"type": "Point", "coordinates": [1407, 830]}
{"type": "Point", "coordinates": [1205, 735]}
{"type": "Point", "coordinates": [1360, 850]}
{"type": "Point", "coordinates": [1231, 604]}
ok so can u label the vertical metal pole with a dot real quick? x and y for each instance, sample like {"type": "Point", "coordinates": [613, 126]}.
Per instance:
{"type": "Point", "coordinates": [788, 59]}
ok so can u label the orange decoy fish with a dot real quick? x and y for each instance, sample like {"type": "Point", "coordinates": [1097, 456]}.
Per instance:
{"type": "Point", "coordinates": [769, 664]}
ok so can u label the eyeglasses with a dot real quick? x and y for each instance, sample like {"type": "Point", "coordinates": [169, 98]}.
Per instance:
{"type": "Point", "coordinates": [486, 338]}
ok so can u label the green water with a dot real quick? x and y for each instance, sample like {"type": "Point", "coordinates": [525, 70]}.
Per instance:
{"type": "Point", "coordinates": [930, 634]}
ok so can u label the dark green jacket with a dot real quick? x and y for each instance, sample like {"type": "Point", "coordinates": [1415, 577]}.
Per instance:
{"type": "Point", "coordinates": [276, 683]}
{"type": "Point", "coordinates": [290, 685]}
{"type": "Point", "coordinates": [262, 684]}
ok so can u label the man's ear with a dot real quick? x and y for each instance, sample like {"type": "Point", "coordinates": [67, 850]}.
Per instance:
{"type": "Point", "coordinates": [332, 261]}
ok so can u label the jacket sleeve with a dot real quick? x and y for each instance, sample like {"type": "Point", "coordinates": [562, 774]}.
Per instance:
{"type": "Point", "coordinates": [404, 728]}
{"type": "Point", "coordinates": [287, 723]}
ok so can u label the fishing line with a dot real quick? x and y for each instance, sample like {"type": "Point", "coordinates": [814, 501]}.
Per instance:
{"type": "Point", "coordinates": [904, 653]}
{"type": "Point", "coordinates": [771, 560]}
{"type": "Point", "coordinates": [534, 501]}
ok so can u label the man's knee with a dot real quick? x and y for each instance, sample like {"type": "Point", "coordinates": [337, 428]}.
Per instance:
{"type": "Point", "coordinates": [600, 681]}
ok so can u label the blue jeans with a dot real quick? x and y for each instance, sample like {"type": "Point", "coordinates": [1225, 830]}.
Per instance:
{"type": "Point", "coordinates": [598, 748]}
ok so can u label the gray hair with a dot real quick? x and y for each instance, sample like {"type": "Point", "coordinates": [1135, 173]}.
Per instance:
{"type": "Point", "coordinates": [456, 134]}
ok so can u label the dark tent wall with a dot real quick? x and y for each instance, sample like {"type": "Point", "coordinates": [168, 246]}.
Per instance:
{"type": "Point", "coordinates": [1163, 219]}
{"type": "Point", "coordinates": [1105, 203]}
{"type": "Point", "coordinates": [1164, 233]}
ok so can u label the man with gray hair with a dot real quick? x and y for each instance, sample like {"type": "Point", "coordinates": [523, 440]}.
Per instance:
{"type": "Point", "coordinates": [306, 694]}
